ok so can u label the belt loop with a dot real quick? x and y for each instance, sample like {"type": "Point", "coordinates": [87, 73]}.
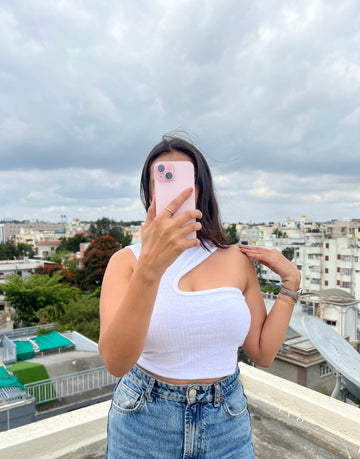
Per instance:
{"type": "Point", "coordinates": [149, 389]}
{"type": "Point", "coordinates": [217, 400]}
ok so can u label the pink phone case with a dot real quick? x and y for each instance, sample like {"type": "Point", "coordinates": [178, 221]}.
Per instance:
{"type": "Point", "coordinates": [170, 179]}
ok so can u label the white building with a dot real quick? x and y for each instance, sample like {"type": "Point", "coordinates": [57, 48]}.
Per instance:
{"type": "Point", "coordinates": [330, 263]}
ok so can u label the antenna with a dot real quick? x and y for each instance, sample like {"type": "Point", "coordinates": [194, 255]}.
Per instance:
{"type": "Point", "coordinates": [342, 358]}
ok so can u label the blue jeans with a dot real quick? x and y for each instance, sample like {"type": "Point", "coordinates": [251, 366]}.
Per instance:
{"type": "Point", "coordinates": [149, 418]}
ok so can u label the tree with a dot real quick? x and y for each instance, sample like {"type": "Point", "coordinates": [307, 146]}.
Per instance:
{"type": "Point", "coordinates": [38, 296]}
{"type": "Point", "coordinates": [231, 234]}
{"type": "Point", "coordinates": [288, 253]}
{"type": "Point", "coordinates": [71, 244]}
{"type": "Point", "coordinates": [96, 258]}
{"type": "Point", "coordinates": [258, 269]}
{"type": "Point", "coordinates": [9, 250]}
{"type": "Point", "coordinates": [279, 234]}
{"type": "Point", "coordinates": [23, 250]}
{"type": "Point", "coordinates": [67, 277]}
{"type": "Point", "coordinates": [107, 227]}
{"type": "Point", "coordinates": [82, 315]}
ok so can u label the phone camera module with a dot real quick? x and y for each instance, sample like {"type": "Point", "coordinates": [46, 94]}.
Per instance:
{"type": "Point", "coordinates": [161, 168]}
{"type": "Point", "coordinates": [169, 175]}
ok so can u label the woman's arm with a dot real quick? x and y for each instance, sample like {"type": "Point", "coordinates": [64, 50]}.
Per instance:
{"type": "Point", "coordinates": [267, 331]}
{"type": "Point", "coordinates": [130, 287]}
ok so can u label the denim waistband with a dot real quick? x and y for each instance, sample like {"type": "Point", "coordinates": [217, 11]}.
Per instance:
{"type": "Point", "coordinates": [187, 393]}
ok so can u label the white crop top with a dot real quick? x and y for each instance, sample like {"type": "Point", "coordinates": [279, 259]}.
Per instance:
{"type": "Point", "coordinates": [194, 335]}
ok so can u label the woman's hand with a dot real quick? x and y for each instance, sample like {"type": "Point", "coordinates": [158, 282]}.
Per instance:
{"type": "Point", "coordinates": [164, 237]}
{"type": "Point", "coordinates": [274, 260]}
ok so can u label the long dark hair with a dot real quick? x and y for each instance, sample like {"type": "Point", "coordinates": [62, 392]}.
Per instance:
{"type": "Point", "coordinates": [212, 230]}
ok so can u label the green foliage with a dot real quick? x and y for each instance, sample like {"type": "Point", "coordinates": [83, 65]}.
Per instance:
{"type": "Point", "coordinates": [9, 251]}
{"type": "Point", "coordinates": [288, 253]}
{"type": "Point", "coordinates": [270, 288]}
{"type": "Point", "coordinates": [258, 269]}
{"type": "Point", "coordinates": [107, 227]}
{"type": "Point", "coordinates": [82, 315]}
{"type": "Point", "coordinates": [279, 234]}
{"type": "Point", "coordinates": [71, 244]}
{"type": "Point", "coordinates": [231, 234]}
{"type": "Point", "coordinates": [38, 298]}
{"type": "Point", "coordinates": [95, 260]}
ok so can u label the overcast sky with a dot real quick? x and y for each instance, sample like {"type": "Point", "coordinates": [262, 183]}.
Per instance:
{"type": "Point", "coordinates": [269, 90]}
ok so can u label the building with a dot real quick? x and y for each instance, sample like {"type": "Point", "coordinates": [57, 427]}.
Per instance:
{"type": "Point", "coordinates": [298, 360]}
{"type": "Point", "coordinates": [338, 309]}
{"type": "Point", "coordinates": [12, 230]}
{"type": "Point", "coordinates": [44, 372]}
{"type": "Point", "coordinates": [46, 248]}
{"type": "Point", "coordinates": [341, 228]}
{"type": "Point", "coordinates": [22, 268]}
{"type": "Point", "coordinates": [329, 263]}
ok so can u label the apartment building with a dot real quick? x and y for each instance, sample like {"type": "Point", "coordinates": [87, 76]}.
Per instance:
{"type": "Point", "coordinates": [12, 230]}
{"type": "Point", "coordinates": [342, 228]}
{"type": "Point", "coordinates": [329, 263]}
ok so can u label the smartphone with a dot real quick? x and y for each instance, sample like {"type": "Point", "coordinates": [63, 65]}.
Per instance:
{"type": "Point", "coordinates": [170, 179]}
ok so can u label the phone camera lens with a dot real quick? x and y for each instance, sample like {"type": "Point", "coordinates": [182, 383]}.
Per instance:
{"type": "Point", "coordinates": [161, 168]}
{"type": "Point", "coordinates": [169, 175]}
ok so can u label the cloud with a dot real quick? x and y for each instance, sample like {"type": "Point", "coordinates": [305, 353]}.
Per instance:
{"type": "Point", "coordinates": [271, 88]}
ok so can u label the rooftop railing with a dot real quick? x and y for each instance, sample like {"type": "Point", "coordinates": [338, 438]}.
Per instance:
{"type": "Point", "coordinates": [53, 389]}
{"type": "Point", "coordinates": [26, 331]}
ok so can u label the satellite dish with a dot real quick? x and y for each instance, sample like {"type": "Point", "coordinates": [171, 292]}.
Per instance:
{"type": "Point", "coordinates": [341, 357]}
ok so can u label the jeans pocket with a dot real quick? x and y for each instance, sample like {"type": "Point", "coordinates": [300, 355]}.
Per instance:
{"type": "Point", "coordinates": [235, 403]}
{"type": "Point", "coordinates": [127, 400]}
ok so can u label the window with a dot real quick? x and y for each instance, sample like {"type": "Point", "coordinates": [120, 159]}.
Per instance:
{"type": "Point", "coordinates": [326, 270]}
{"type": "Point", "coordinates": [327, 245]}
{"type": "Point", "coordinates": [338, 269]}
{"type": "Point", "coordinates": [339, 257]}
{"type": "Point", "coordinates": [338, 282]}
{"type": "Point", "coordinates": [326, 283]}
{"type": "Point", "coordinates": [326, 257]}
{"type": "Point", "coordinates": [346, 271]}
{"type": "Point", "coordinates": [324, 369]}
{"type": "Point", "coordinates": [331, 322]}
{"type": "Point", "coordinates": [345, 284]}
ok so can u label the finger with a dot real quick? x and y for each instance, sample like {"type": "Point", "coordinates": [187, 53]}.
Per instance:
{"type": "Point", "coordinates": [186, 216]}
{"type": "Point", "coordinates": [175, 204]}
{"type": "Point", "coordinates": [150, 215]}
{"type": "Point", "coordinates": [189, 228]}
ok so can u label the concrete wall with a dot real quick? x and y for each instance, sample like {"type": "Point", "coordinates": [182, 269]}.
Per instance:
{"type": "Point", "coordinates": [16, 414]}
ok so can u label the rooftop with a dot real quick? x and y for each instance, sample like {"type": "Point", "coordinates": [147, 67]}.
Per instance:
{"type": "Point", "coordinates": [334, 295]}
{"type": "Point", "coordinates": [288, 420]}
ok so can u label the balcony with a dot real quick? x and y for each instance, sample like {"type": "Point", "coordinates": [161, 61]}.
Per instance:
{"type": "Point", "coordinates": [288, 420]}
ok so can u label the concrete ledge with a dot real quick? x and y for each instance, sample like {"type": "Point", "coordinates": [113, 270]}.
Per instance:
{"type": "Point", "coordinates": [58, 435]}
{"type": "Point", "coordinates": [317, 415]}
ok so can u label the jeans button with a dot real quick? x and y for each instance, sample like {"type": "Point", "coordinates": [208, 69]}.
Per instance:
{"type": "Point", "coordinates": [192, 393]}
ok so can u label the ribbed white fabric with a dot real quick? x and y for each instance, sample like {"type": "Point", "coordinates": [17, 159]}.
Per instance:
{"type": "Point", "coordinates": [194, 335]}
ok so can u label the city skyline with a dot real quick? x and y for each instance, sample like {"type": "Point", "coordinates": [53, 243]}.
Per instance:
{"type": "Point", "coordinates": [268, 91]}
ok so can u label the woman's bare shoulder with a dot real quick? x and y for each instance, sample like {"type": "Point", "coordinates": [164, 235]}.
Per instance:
{"type": "Point", "coordinates": [123, 257]}
{"type": "Point", "coordinates": [233, 254]}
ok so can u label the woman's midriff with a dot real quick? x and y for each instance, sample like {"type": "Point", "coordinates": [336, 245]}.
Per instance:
{"type": "Point", "coordinates": [183, 381]}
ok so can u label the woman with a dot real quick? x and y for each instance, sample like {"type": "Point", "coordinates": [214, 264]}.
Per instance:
{"type": "Point", "coordinates": [173, 313]}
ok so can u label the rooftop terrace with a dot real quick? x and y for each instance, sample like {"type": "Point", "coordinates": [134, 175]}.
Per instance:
{"type": "Point", "coordinates": [288, 420]}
